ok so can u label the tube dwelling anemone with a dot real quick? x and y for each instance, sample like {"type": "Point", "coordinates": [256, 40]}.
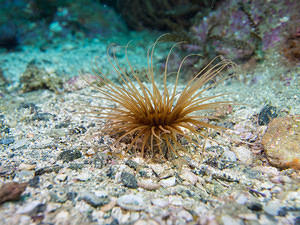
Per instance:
{"type": "Point", "coordinates": [154, 121]}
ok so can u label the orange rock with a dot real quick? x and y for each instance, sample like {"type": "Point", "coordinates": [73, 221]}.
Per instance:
{"type": "Point", "coordinates": [282, 142]}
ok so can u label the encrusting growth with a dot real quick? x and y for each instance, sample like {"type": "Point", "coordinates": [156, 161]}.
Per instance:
{"type": "Point", "coordinates": [155, 120]}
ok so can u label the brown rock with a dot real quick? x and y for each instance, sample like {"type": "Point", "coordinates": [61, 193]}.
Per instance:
{"type": "Point", "coordinates": [282, 142]}
{"type": "Point", "coordinates": [11, 191]}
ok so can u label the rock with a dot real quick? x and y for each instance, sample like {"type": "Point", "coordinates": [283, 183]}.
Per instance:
{"type": "Point", "coordinates": [7, 141]}
{"type": "Point", "coordinates": [189, 176]}
{"type": "Point", "coordinates": [243, 154]}
{"type": "Point", "coordinates": [266, 114]}
{"type": "Point", "coordinates": [11, 191]}
{"type": "Point", "coordinates": [94, 200]}
{"type": "Point", "coordinates": [24, 166]}
{"type": "Point", "coordinates": [131, 202]}
{"type": "Point", "coordinates": [59, 196]}
{"type": "Point", "coordinates": [281, 142]}
{"type": "Point", "coordinates": [47, 169]}
{"type": "Point", "coordinates": [160, 202]}
{"type": "Point", "coordinates": [169, 182]}
{"type": "Point", "coordinates": [37, 77]}
{"type": "Point", "coordinates": [60, 177]}
{"type": "Point", "coordinates": [69, 155]}
{"type": "Point", "coordinates": [148, 184]}
{"type": "Point", "coordinates": [255, 206]}
{"type": "Point", "coordinates": [228, 220]}
{"type": "Point", "coordinates": [132, 164]}
{"type": "Point", "coordinates": [185, 215]}
{"type": "Point", "coordinates": [273, 207]}
{"type": "Point", "coordinates": [34, 182]}
{"type": "Point", "coordinates": [146, 222]}
{"type": "Point", "coordinates": [62, 218]}
{"type": "Point", "coordinates": [128, 180]}
{"type": "Point", "coordinates": [229, 155]}
{"type": "Point", "coordinates": [31, 208]}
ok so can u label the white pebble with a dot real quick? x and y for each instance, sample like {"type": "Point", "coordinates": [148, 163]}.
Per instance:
{"type": "Point", "coordinates": [131, 202]}
{"type": "Point", "coordinates": [169, 182]}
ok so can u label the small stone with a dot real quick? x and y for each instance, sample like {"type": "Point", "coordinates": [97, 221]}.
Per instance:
{"type": "Point", "coordinates": [59, 196]}
{"type": "Point", "coordinates": [243, 154]}
{"type": "Point", "coordinates": [241, 199]}
{"type": "Point", "coordinates": [23, 176]}
{"type": "Point", "coordinates": [131, 202]}
{"type": "Point", "coordinates": [34, 182]}
{"type": "Point", "coordinates": [24, 166]}
{"type": "Point", "coordinates": [281, 142]}
{"type": "Point", "coordinates": [128, 180]}
{"type": "Point", "coordinates": [132, 164]}
{"type": "Point", "coordinates": [62, 218]}
{"type": "Point", "coordinates": [229, 155]}
{"type": "Point", "coordinates": [94, 200]}
{"type": "Point", "coordinates": [109, 206]}
{"type": "Point", "coordinates": [267, 114]}
{"type": "Point", "coordinates": [189, 176]}
{"type": "Point", "coordinates": [185, 215]}
{"type": "Point", "coordinates": [69, 155]}
{"type": "Point", "coordinates": [11, 191]}
{"type": "Point", "coordinates": [146, 222]}
{"type": "Point", "coordinates": [176, 200]}
{"type": "Point", "coordinates": [255, 206]}
{"type": "Point", "coordinates": [228, 220]}
{"type": "Point", "coordinates": [47, 169]}
{"type": "Point", "coordinates": [31, 208]}
{"type": "Point", "coordinates": [160, 202]}
{"type": "Point", "coordinates": [83, 176]}
{"type": "Point", "coordinates": [169, 182]}
{"type": "Point", "coordinates": [7, 141]}
{"type": "Point", "coordinates": [148, 184]}
{"type": "Point", "coordinates": [273, 207]}
{"type": "Point", "coordinates": [120, 216]}
{"type": "Point", "coordinates": [61, 177]}
{"type": "Point", "coordinates": [248, 216]}
{"type": "Point", "coordinates": [269, 170]}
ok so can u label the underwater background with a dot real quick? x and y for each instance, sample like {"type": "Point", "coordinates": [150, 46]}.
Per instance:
{"type": "Point", "coordinates": [56, 167]}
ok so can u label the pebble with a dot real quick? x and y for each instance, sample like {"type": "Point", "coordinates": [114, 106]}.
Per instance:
{"type": "Point", "coordinates": [243, 154]}
{"type": "Point", "coordinates": [131, 202]}
{"type": "Point", "coordinates": [229, 155]}
{"type": "Point", "coordinates": [29, 208]}
{"type": "Point", "coordinates": [185, 215]}
{"type": "Point", "coordinates": [146, 222]}
{"type": "Point", "coordinates": [24, 166]}
{"type": "Point", "coordinates": [160, 202]}
{"type": "Point", "coordinates": [129, 180]}
{"type": "Point", "coordinates": [176, 200]}
{"type": "Point", "coordinates": [7, 141]}
{"type": "Point", "coordinates": [189, 176]}
{"type": "Point", "coordinates": [269, 170]}
{"type": "Point", "coordinates": [148, 184]}
{"type": "Point", "coordinates": [169, 182]}
{"type": "Point", "coordinates": [248, 216]}
{"type": "Point", "coordinates": [62, 218]}
{"type": "Point", "coordinates": [281, 142]}
{"type": "Point", "coordinates": [61, 177]}
{"type": "Point", "coordinates": [83, 176]}
{"type": "Point", "coordinates": [94, 200]}
{"type": "Point", "coordinates": [69, 155]}
{"type": "Point", "coordinates": [24, 176]}
{"type": "Point", "coordinates": [273, 207]}
{"type": "Point", "coordinates": [120, 216]}
{"type": "Point", "coordinates": [132, 164]}
{"type": "Point", "coordinates": [59, 196]}
{"type": "Point", "coordinates": [228, 220]}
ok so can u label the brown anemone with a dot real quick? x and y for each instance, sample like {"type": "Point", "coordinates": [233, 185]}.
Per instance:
{"type": "Point", "coordinates": [153, 120]}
